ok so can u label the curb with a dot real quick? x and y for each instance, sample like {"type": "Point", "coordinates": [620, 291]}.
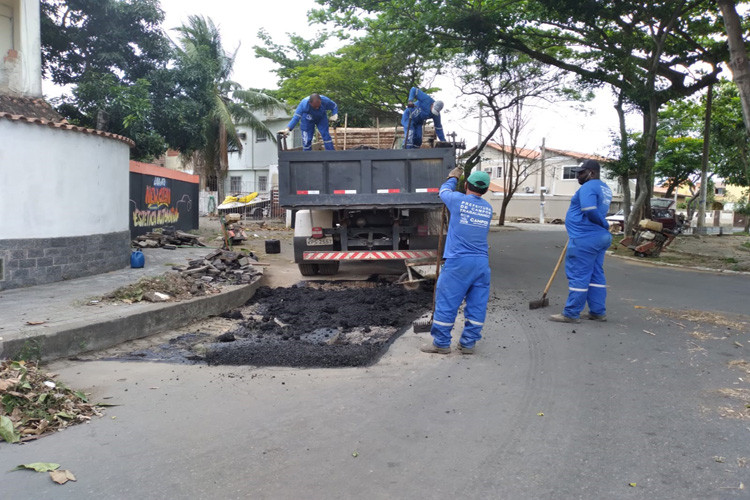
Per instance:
{"type": "Point", "coordinates": [641, 260]}
{"type": "Point", "coordinates": [78, 337]}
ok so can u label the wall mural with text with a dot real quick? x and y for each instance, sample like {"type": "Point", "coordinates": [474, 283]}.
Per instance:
{"type": "Point", "coordinates": [160, 201]}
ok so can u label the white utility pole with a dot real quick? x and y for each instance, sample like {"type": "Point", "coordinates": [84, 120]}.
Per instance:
{"type": "Point", "coordinates": [542, 188]}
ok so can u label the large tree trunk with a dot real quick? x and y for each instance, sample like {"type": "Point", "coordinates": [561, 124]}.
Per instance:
{"type": "Point", "coordinates": [738, 60]}
{"type": "Point", "coordinates": [624, 176]}
{"type": "Point", "coordinates": [644, 186]}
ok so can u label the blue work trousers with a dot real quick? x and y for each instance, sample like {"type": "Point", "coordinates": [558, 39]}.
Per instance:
{"type": "Point", "coordinates": [461, 278]}
{"type": "Point", "coordinates": [584, 266]}
{"type": "Point", "coordinates": [414, 135]}
{"type": "Point", "coordinates": [308, 132]}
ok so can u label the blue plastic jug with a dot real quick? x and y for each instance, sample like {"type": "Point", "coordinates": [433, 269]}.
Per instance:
{"type": "Point", "coordinates": [137, 259]}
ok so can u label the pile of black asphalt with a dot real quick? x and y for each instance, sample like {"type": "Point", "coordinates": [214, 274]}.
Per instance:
{"type": "Point", "coordinates": [313, 325]}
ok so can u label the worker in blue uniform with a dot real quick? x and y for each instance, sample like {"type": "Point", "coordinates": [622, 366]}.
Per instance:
{"type": "Point", "coordinates": [588, 240]}
{"type": "Point", "coordinates": [420, 108]}
{"type": "Point", "coordinates": [310, 113]}
{"type": "Point", "coordinates": [466, 272]}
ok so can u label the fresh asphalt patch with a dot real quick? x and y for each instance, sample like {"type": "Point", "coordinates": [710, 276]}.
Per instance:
{"type": "Point", "coordinates": [311, 324]}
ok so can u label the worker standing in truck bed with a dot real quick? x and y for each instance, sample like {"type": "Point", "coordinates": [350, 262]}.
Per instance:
{"type": "Point", "coordinates": [466, 272]}
{"type": "Point", "coordinates": [420, 108]}
{"type": "Point", "coordinates": [310, 113]}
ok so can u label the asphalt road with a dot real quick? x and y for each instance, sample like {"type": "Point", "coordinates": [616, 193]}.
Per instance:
{"type": "Point", "coordinates": [543, 410]}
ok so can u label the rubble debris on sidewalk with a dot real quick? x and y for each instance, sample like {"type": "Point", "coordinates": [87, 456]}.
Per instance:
{"type": "Point", "coordinates": [199, 277]}
{"type": "Point", "coordinates": [168, 238]}
{"type": "Point", "coordinates": [32, 403]}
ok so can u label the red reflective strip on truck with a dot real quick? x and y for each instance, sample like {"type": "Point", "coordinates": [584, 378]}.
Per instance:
{"type": "Point", "coordinates": [427, 190]}
{"type": "Point", "coordinates": [344, 191]}
{"type": "Point", "coordinates": [354, 255]}
{"type": "Point", "coordinates": [308, 192]}
{"type": "Point", "coordinates": [388, 191]}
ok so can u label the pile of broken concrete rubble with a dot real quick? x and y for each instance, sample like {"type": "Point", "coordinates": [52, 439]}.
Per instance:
{"type": "Point", "coordinates": [169, 238]}
{"type": "Point", "coordinates": [222, 266]}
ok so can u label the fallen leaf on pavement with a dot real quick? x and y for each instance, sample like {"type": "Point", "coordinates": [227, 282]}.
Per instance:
{"type": "Point", "coordinates": [632, 485]}
{"type": "Point", "coordinates": [62, 476]}
{"type": "Point", "coordinates": [8, 432]}
{"type": "Point", "coordinates": [39, 466]}
{"type": "Point", "coordinates": [540, 414]}
{"type": "Point", "coordinates": [35, 322]}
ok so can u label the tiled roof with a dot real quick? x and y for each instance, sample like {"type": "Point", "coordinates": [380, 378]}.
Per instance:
{"type": "Point", "coordinates": [579, 156]}
{"type": "Point", "coordinates": [65, 126]}
{"type": "Point", "coordinates": [529, 154]}
{"type": "Point", "coordinates": [30, 107]}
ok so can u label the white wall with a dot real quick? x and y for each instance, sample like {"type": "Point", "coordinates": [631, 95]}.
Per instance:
{"type": "Point", "coordinates": [56, 183]}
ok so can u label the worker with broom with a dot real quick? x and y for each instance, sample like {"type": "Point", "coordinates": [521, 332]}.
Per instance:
{"type": "Point", "coordinates": [588, 240]}
{"type": "Point", "coordinates": [466, 272]}
{"type": "Point", "coordinates": [310, 113]}
{"type": "Point", "coordinates": [420, 108]}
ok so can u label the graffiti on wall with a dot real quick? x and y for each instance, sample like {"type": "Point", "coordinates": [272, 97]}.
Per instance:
{"type": "Point", "coordinates": [159, 201]}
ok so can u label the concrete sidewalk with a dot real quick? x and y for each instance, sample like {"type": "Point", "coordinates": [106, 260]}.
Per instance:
{"type": "Point", "coordinates": [70, 323]}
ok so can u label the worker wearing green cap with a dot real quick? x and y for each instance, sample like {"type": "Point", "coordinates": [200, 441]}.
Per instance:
{"type": "Point", "coordinates": [466, 272]}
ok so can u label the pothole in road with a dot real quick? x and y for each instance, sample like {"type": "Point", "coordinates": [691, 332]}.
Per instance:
{"type": "Point", "coordinates": [312, 324]}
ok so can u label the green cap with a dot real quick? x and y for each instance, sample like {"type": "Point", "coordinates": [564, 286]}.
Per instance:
{"type": "Point", "coordinates": [479, 179]}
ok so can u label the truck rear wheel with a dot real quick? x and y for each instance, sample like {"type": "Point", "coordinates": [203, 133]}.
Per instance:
{"type": "Point", "coordinates": [308, 269]}
{"type": "Point", "coordinates": [329, 268]}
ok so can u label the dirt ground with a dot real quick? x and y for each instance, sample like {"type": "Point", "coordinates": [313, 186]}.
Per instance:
{"type": "Point", "coordinates": [724, 253]}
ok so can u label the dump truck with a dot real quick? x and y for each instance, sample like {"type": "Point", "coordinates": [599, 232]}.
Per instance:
{"type": "Point", "coordinates": [363, 204]}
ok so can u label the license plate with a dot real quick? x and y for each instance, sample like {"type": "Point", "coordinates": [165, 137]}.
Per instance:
{"type": "Point", "coordinates": [313, 242]}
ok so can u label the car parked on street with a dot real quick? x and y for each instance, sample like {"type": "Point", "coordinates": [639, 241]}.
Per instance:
{"type": "Point", "coordinates": [662, 210]}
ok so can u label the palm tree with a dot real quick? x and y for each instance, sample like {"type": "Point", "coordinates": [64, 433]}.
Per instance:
{"type": "Point", "coordinates": [225, 104]}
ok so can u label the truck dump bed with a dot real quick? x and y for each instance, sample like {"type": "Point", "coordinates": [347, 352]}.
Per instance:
{"type": "Point", "coordinates": [377, 178]}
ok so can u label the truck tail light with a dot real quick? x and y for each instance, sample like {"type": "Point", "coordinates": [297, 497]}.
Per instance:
{"type": "Point", "coordinates": [421, 230]}
{"type": "Point", "coordinates": [317, 232]}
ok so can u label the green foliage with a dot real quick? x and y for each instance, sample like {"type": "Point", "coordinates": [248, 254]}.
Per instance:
{"type": "Point", "coordinates": [730, 141]}
{"type": "Point", "coordinates": [117, 37]}
{"type": "Point", "coordinates": [128, 107]}
{"type": "Point", "coordinates": [678, 161]}
{"type": "Point", "coordinates": [202, 71]}
{"type": "Point", "coordinates": [368, 78]}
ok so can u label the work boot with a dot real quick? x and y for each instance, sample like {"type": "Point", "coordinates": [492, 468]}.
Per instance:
{"type": "Point", "coordinates": [598, 317]}
{"type": "Point", "coordinates": [465, 350]}
{"type": "Point", "coordinates": [433, 349]}
{"type": "Point", "coordinates": [561, 318]}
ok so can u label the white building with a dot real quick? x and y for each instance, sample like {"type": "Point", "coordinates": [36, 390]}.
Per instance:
{"type": "Point", "coordinates": [65, 208]}
{"type": "Point", "coordinates": [256, 167]}
{"type": "Point", "coordinates": [560, 181]}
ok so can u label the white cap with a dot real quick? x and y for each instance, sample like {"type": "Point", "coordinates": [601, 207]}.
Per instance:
{"type": "Point", "coordinates": [437, 106]}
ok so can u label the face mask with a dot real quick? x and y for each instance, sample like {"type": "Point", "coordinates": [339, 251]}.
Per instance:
{"type": "Point", "coordinates": [583, 180]}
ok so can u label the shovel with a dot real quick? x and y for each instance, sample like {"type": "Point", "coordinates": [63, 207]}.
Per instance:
{"type": "Point", "coordinates": [544, 301]}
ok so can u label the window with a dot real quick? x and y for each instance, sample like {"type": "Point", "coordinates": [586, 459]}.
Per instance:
{"type": "Point", "coordinates": [499, 172]}
{"type": "Point", "coordinates": [260, 137]}
{"type": "Point", "coordinates": [212, 183]}
{"type": "Point", "coordinates": [719, 191]}
{"type": "Point", "coordinates": [235, 184]}
{"type": "Point", "coordinates": [568, 172]}
{"type": "Point", "coordinates": [262, 183]}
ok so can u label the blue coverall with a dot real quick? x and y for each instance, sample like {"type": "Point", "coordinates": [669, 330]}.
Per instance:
{"type": "Point", "coordinates": [309, 118]}
{"type": "Point", "coordinates": [587, 243]}
{"type": "Point", "coordinates": [413, 119]}
{"type": "Point", "coordinates": [466, 272]}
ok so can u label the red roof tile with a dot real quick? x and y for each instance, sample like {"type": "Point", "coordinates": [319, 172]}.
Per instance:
{"type": "Point", "coordinates": [66, 126]}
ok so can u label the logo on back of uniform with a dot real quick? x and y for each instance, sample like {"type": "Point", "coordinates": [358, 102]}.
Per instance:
{"type": "Point", "coordinates": [476, 215]}
{"type": "Point", "coordinates": [606, 195]}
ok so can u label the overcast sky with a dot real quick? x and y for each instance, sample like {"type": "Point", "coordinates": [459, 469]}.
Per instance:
{"type": "Point", "coordinates": [561, 125]}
